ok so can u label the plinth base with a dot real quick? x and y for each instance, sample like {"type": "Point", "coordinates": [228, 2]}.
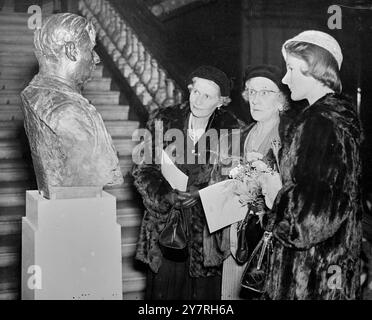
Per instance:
{"type": "Point", "coordinates": [71, 248]}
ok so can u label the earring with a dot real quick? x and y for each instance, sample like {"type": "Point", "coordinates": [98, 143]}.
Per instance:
{"type": "Point", "coordinates": [280, 108]}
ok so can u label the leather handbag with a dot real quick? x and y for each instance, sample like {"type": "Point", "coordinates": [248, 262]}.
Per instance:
{"type": "Point", "coordinates": [173, 240]}
{"type": "Point", "coordinates": [249, 234]}
{"type": "Point", "coordinates": [256, 272]}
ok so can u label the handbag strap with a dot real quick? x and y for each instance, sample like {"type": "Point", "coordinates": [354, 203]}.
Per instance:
{"type": "Point", "coordinates": [170, 214]}
{"type": "Point", "coordinates": [183, 218]}
{"type": "Point", "coordinates": [185, 221]}
{"type": "Point", "coordinates": [270, 225]}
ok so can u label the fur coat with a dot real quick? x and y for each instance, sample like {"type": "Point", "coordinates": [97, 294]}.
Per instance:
{"type": "Point", "coordinates": [206, 251]}
{"type": "Point", "coordinates": [317, 230]}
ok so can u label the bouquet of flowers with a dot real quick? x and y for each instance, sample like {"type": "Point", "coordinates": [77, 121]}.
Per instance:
{"type": "Point", "coordinates": [252, 180]}
{"type": "Point", "coordinates": [247, 177]}
{"type": "Point", "coordinates": [254, 177]}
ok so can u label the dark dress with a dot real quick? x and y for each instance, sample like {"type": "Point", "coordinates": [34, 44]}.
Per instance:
{"type": "Point", "coordinates": [200, 276]}
{"type": "Point", "coordinates": [317, 213]}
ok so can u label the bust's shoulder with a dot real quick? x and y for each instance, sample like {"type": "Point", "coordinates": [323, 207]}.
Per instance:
{"type": "Point", "coordinates": [47, 98]}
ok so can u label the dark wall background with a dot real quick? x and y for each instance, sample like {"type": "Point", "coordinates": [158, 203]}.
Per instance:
{"type": "Point", "coordinates": [211, 34]}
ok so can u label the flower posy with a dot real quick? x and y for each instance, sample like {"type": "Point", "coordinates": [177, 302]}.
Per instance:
{"type": "Point", "coordinates": [247, 177]}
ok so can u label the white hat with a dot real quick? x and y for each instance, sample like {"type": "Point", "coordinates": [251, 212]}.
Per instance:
{"type": "Point", "coordinates": [320, 39]}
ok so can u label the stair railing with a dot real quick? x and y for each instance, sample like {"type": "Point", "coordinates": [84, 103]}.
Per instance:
{"type": "Point", "coordinates": [148, 79]}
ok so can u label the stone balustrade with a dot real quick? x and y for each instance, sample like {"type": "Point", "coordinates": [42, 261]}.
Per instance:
{"type": "Point", "coordinates": [146, 77]}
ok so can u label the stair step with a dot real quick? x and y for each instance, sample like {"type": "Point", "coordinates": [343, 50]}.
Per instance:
{"type": "Point", "coordinates": [17, 59]}
{"type": "Point", "coordinates": [8, 260]}
{"type": "Point", "coordinates": [19, 28]}
{"type": "Point", "coordinates": [129, 235]}
{"type": "Point", "coordinates": [134, 279]}
{"type": "Point", "coordinates": [111, 112]}
{"type": "Point", "coordinates": [102, 97]}
{"type": "Point", "coordinates": [96, 84]}
{"type": "Point", "coordinates": [126, 165]}
{"type": "Point", "coordinates": [14, 170]}
{"type": "Point", "coordinates": [19, 72]}
{"type": "Point", "coordinates": [10, 112]}
{"type": "Point", "coordinates": [13, 193]}
{"type": "Point", "coordinates": [28, 71]}
{"type": "Point", "coordinates": [7, 228]}
{"type": "Point", "coordinates": [10, 129]}
{"type": "Point", "coordinates": [10, 97]}
{"type": "Point", "coordinates": [15, 18]}
{"type": "Point", "coordinates": [124, 128]}
{"type": "Point", "coordinates": [14, 295]}
{"type": "Point", "coordinates": [11, 243]}
{"type": "Point", "coordinates": [122, 193]}
{"type": "Point", "coordinates": [124, 147]}
{"type": "Point", "coordinates": [120, 130]}
{"type": "Point", "coordinates": [14, 186]}
{"type": "Point", "coordinates": [16, 47]}
{"type": "Point", "coordinates": [13, 84]}
{"type": "Point", "coordinates": [128, 250]}
{"type": "Point", "coordinates": [7, 6]}
{"type": "Point", "coordinates": [98, 97]}
{"type": "Point", "coordinates": [129, 214]}
{"type": "Point", "coordinates": [10, 276]}
{"type": "Point", "coordinates": [14, 213]}
{"type": "Point", "coordinates": [10, 284]}
{"type": "Point", "coordinates": [11, 37]}
{"type": "Point", "coordinates": [10, 149]}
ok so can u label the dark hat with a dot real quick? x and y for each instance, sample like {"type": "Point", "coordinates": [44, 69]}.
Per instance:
{"type": "Point", "coordinates": [215, 75]}
{"type": "Point", "coordinates": [266, 71]}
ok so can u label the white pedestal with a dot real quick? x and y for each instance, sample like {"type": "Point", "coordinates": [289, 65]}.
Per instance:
{"type": "Point", "coordinates": [71, 249]}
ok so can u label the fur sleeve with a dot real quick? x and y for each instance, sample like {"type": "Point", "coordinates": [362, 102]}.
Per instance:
{"type": "Point", "coordinates": [317, 198]}
{"type": "Point", "coordinates": [149, 180]}
{"type": "Point", "coordinates": [152, 186]}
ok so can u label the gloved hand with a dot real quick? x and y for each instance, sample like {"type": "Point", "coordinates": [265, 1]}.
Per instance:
{"type": "Point", "coordinates": [174, 199]}
{"type": "Point", "coordinates": [190, 198]}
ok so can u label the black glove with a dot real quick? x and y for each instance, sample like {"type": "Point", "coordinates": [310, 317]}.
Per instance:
{"type": "Point", "coordinates": [174, 199]}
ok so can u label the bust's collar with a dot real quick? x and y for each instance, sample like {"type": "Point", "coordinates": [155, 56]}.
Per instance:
{"type": "Point", "coordinates": [55, 82]}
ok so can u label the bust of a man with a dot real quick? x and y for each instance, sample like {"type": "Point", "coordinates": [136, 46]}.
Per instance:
{"type": "Point", "coordinates": [69, 143]}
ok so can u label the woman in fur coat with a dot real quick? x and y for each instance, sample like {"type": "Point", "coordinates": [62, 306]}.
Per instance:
{"type": "Point", "coordinates": [199, 277]}
{"type": "Point", "coordinates": [317, 230]}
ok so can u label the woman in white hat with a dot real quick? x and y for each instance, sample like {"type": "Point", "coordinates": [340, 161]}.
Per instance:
{"type": "Point", "coordinates": [317, 230]}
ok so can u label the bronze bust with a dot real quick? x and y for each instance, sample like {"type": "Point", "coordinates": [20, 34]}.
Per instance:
{"type": "Point", "coordinates": [69, 143]}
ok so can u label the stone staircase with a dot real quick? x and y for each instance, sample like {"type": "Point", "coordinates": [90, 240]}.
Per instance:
{"type": "Point", "coordinates": [17, 66]}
